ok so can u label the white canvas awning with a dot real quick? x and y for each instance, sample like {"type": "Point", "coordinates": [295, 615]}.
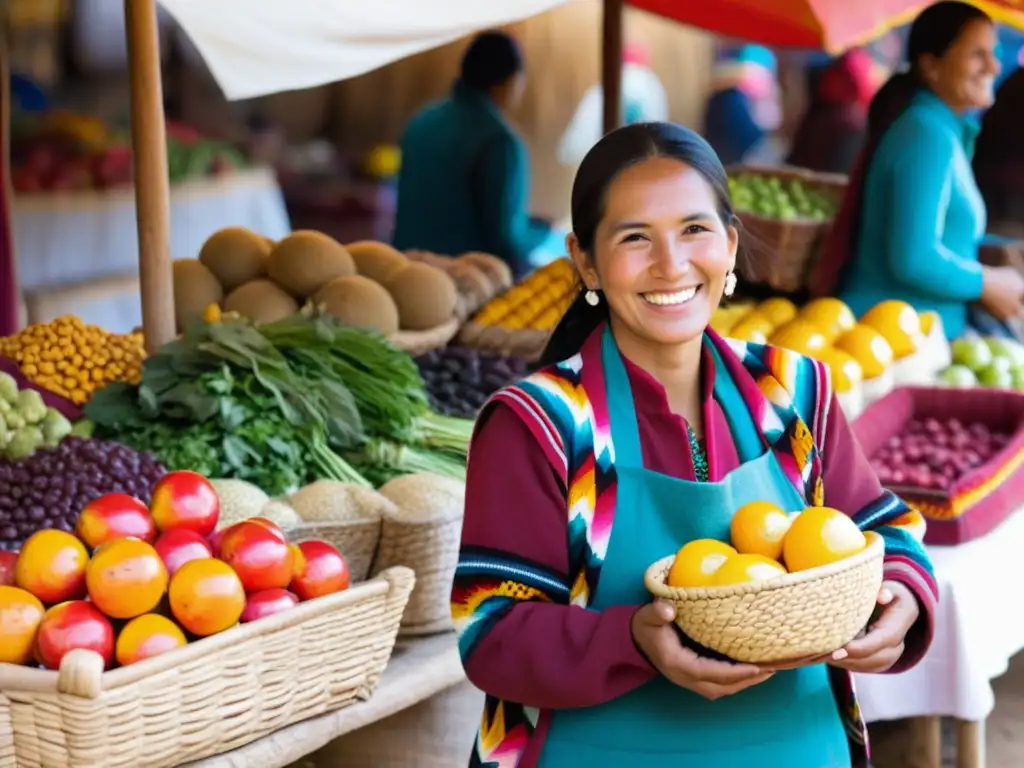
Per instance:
{"type": "Point", "coordinates": [257, 47]}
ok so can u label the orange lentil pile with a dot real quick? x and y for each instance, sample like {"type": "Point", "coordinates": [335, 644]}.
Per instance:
{"type": "Point", "coordinates": [73, 359]}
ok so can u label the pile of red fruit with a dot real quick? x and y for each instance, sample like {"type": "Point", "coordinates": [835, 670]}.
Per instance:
{"type": "Point", "coordinates": [133, 582]}
{"type": "Point", "coordinates": [932, 454]}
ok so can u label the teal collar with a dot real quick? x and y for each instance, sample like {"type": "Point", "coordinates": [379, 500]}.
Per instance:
{"type": "Point", "coordinates": [964, 126]}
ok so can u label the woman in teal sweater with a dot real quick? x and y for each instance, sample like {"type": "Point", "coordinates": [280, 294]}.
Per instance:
{"type": "Point", "coordinates": [465, 178]}
{"type": "Point", "coordinates": [913, 220]}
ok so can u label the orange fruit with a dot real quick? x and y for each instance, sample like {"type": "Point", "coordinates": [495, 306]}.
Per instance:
{"type": "Point", "coordinates": [830, 316]}
{"type": "Point", "coordinates": [697, 561]}
{"type": "Point", "coordinates": [20, 614]}
{"type": "Point", "coordinates": [51, 565]}
{"type": "Point", "coordinates": [869, 348]}
{"type": "Point", "coordinates": [777, 310]}
{"type": "Point", "coordinates": [819, 536]}
{"type": "Point", "coordinates": [753, 328]}
{"type": "Point", "coordinates": [126, 578]}
{"type": "Point", "coordinates": [747, 569]}
{"type": "Point", "coordinates": [206, 596]}
{"type": "Point", "coordinates": [799, 336]}
{"type": "Point", "coordinates": [899, 324]}
{"type": "Point", "coordinates": [847, 373]}
{"type": "Point", "coordinates": [758, 528]}
{"type": "Point", "coordinates": [145, 636]}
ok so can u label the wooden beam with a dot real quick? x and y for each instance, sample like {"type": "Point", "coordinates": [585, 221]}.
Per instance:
{"type": "Point", "coordinates": [611, 62]}
{"type": "Point", "coordinates": [152, 187]}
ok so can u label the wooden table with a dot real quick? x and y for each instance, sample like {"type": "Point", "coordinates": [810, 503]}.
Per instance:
{"type": "Point", "coordinates": [418, 670]}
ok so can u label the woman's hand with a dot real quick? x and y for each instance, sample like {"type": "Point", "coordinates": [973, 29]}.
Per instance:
{"type": "Point", "coordinates": [655, 635]}
{"type": "Point", "coordinates": [1002, 292]}
{"type": "Point", "coordinates": [882, 645]}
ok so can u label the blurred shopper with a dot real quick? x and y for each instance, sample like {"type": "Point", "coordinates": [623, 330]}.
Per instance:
{"type": "Point", "coordinates": [744, 107]}
{"type": "Point", "coordinates": [999, 158]}
{"type": "Point", "coordinates": [464, 184]}
{"type": "Point", "coordinates": [913, 219]}
{"type": "Point", "coordinates": [834, 128]}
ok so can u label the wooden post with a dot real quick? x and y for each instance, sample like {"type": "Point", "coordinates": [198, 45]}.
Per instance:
{"type": "Point", "coordinates": [152, 188]}
{"type": "Point", "coordinates": [611, 63]}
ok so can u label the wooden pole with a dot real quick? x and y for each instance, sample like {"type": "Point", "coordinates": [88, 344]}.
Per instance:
{"type": "Point", "coordinates": [611, 62]}
{"type": "Point", "coordinates": [152, 188]}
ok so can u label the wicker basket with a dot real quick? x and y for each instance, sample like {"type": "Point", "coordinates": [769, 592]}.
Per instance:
{"type": "Point", "coordinates": [356, 540]}
{"type": "Point", "coordinates": [418, 342]}
{"type": "Point", "coordinates": [526, 344]}
{"type": "Point", "coordinates": [791, 244]}
{"type": "Point", "coordinates": [208, 697]}
{"type": "Point", "coordinates": [796, 616]}
{"type": "Point", "coordinates": [431, 549]}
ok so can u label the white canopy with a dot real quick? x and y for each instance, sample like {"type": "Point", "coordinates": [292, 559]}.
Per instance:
{"type": "Point", "coordinates": [257, 47]}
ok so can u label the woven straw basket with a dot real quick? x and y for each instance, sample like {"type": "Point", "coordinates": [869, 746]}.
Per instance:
{"type": "Point", "coordinates": [355, 539]}
{"type": "Point", "coordinates": [420, 342]}
{"type": "Point", "coordinates": [796, 616]}
{"type": "Point", "coordinates": [211, 696]}
{"type": "Point", "coordinates": [431, 549]}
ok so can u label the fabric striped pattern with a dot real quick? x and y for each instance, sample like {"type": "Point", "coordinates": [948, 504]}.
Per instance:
{"type": "Point", "coordinates": [565, 406]}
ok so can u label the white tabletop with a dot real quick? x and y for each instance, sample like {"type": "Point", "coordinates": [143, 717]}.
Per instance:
{"type": "Point", "coordinates": [979, 627]}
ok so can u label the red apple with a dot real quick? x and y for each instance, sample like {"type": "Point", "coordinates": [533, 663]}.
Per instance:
{"type": "Point", "coordinates": [7, 561]}
{"type": "Point", "coordinates": [258, 555]}
{"type": "Point", "coordinates": [178, 546]}
{"type": "Point", "coordinates": [70, 626]}
{"type": "Point", "coordinates": [217, 537]}
{"type": "Point", "coordinates": [267, 602]}
{"type": "Point", "coordinates": [114, 516]}
{"type": "Point", "coordinates": [320, 570]}
{"type": "Point", "coordinates": [185, 500]}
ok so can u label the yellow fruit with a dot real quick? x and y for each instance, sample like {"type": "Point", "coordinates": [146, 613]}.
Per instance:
{"type": "Point", "coordinates": [758, 528]}
{"type": "Point", "coordinates": [819, 536]}
{"type": "Point", "coordinates": [847, 373]}
{"type": "Point", "coordinates": [928, 322]}
{"type": "Point", "coordinates": [777, 310]}
{"type": "Point", "coordinates": [830, 316]}
{"type": "Point", "coordinates": [696, 563]}
{"type": "Point", "coordinates": [869, 348]}
{"type": "Point", "coordinates": [799, 336]}
{"type": "Point", "coordinates": [747, 569]}
{"type": "Point", "coordinates": [212, 313]}
{"type": "Point", "coordinates": [753, 328]}
{"type": "Point", "coordinates": [899, 324]}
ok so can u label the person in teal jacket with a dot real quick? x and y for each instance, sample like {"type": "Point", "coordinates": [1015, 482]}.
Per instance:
{"type": "Point", "coordinates": [913, 219]}
{"type": "Point", "coordinates": [465, 178]}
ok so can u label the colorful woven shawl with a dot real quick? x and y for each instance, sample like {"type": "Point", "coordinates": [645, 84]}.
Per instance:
{"type": "Point", "coordinates": [565, 405]}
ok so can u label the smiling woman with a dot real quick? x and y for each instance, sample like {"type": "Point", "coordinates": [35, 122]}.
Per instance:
{"type": "Point", "coordinates": [643, 432]}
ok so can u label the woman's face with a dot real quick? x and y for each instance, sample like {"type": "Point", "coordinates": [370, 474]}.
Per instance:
{"type": "Point", "coordinates": [661, 253]}
{"type": "Point", "coordinates": [965, 76]}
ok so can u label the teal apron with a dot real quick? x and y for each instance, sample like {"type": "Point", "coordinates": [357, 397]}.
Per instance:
{"type": "Point", "coordinates": [789, 721]}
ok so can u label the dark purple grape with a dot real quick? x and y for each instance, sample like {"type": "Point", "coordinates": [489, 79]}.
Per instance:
{"type": "Point", "coordinates": [8, 532]}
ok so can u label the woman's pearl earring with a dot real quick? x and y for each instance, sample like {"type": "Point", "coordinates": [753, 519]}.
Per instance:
{"type": "Point", "coordinates": [730, 284]}
{"type": "Point", "coordinates": [592, 298]}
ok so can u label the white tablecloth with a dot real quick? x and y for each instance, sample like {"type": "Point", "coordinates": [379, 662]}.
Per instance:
{"type": "Point", "coordinates": [979, 627]}
{"type": "Point", "coordinates": [75, 238]}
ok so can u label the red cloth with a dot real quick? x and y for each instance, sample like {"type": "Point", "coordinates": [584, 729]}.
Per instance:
{"type": "Point", "coordinates": [837, 250]}
{"type": "Point", "coordinates": [9, 298]}
{"type": "Point", "coordinates": [553, 656]}
{"type": "Point", "coordinates": [849, 80]}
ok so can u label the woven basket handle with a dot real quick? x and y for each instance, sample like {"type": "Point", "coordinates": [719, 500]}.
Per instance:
{"type": "Point", "coordinates": [81, 674]}
{"type": "Point", "coordinates": [401, 579]}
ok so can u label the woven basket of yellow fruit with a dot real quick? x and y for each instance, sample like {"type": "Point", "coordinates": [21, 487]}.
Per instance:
{"type": "Point", "coordinates": [787, 587]}
{"type": "Point", "coordinates": [520, 321]}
